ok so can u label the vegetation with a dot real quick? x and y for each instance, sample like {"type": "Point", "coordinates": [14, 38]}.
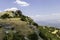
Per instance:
{"type": "Point", "coordinates": [17, 13]}
{"type": "Point", "coordinates": [35, 24]}
{"type": "Point", "coordinates": [23, 18]}
{"type": "Point", "coordinates": [20, 28]}
{"type": "Point", "coordinates": [46, 33]}
{"type": "Point", "coordinates": [33, 36]}
{"type": "Point", "coordinates": [5, 16]}
{"type": "Point", "coordinates": [17, 36]}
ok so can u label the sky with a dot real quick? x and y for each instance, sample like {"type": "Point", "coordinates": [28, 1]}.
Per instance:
{"type": "Point", "coordinates": [44, 11]}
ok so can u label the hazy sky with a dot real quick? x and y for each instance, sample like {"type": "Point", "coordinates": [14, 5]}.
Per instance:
{"type": "Point", "coordinates": [39, 10]}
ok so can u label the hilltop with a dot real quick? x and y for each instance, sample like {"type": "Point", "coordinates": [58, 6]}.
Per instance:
{"type": "Point", "coordinates": [16, 26]}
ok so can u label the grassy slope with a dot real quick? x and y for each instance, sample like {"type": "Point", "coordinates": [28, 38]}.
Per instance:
{"type": "Point", "coordinates": [22, 27]}
{"type": "Point", "coordinates": [19, 25]}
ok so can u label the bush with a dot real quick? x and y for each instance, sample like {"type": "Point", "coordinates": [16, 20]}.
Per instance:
{"type": "Point", "coordinates": [5, 38]}
{"type": "Point", "coordinates": [35, 24]}
{"type": "Point", "coordinates": [43, 36]}
{"type": "Point", "coordinates": [5, 16]}
{"type": "Point", "coordinates": [33, 36]}
{"type": "Point", "coordinates": [23, 18]}
{"type": "Point", "coordinates": [17, 36]}
{"type": "Point", "coordinates": [29, 20]}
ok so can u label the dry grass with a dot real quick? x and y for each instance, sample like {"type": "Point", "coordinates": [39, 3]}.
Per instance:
{"type": "Point", "coordinates": [18, 24]}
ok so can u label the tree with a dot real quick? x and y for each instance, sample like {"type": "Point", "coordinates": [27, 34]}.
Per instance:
{"type": "Point", "coordinates": [18, 13]}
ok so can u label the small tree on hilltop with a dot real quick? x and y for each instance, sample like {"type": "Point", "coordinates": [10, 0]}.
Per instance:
{"type": "Point", "coordinates": [18, 13]}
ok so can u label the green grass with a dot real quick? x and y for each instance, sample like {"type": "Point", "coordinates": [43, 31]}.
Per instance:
{"type": "Point", "coordinates": [48, 34]}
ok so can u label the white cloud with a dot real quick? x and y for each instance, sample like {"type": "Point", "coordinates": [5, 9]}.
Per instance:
{"type": "Point", "coordinates": [21, 3]}
{"type": "Point", "coordinates": [11, 9]}
{"type": "Point", "coordinates": [54, 17]}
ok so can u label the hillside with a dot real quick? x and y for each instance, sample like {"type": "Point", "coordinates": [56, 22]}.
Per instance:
{"type": "Point", "coordinates": [16, 26]}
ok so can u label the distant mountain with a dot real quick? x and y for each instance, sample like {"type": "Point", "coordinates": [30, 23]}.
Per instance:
{"type": "Point", "coordinates": [57, 25]}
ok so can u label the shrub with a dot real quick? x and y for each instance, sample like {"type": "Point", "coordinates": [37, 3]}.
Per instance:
{"type": "Point", "coordinates": [35, 24]}
{"type": "Point", "coordinates": [23, 18]}
{"type": "Point", "coordinates": [33, 36]}
{"type": "Point", "coordinates": [17, 36]}
{"type": "Point", "coordinates": [43, 36]}
{"type": "Point", "coordinates": [5, 16]}
{"type": "Point", "coordinates": [5, 38]}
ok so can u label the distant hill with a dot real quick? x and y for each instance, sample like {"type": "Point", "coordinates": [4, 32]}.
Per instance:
{"type": "Point", "coordinates": [16, 26]}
